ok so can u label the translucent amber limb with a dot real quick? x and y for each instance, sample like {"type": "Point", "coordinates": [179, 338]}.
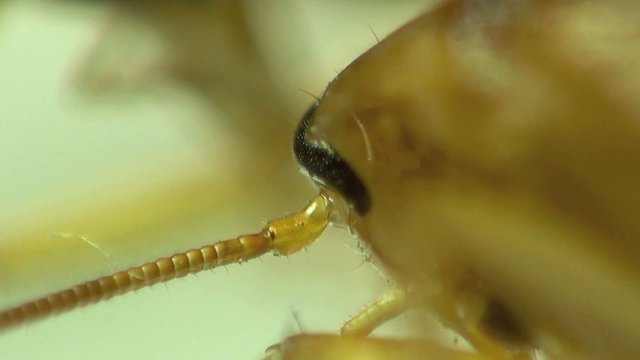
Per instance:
{"type": "Point", "coordinates": [390, 305]}
{"type": "Point", "coordinates": [321, 347]}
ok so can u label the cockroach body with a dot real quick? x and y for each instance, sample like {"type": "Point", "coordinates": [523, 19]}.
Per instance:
{"type": "Point", "coordinates": [501, 172]}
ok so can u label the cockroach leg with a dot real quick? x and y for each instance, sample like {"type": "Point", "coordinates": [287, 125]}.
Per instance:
{"type": "Point", "coordinates": [282, 236]}
{"type": "Point", "coordinates": [393, 303]}
{"type": "Point", "coordinates": [353, 343]}
{"type": "Point", "coordinates": [488, 345]}
{"type": "Point", "coordinates": [321, 347]}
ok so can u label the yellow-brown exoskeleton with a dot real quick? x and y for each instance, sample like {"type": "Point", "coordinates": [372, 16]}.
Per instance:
{"type": "Point", "coordinates": [488, 154]}
{"type": "Point", "coordinates": [496, 147]}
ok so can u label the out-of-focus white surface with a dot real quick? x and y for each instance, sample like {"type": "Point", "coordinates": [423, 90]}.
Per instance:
{"type": "Point", "coordinates": [57, 150]}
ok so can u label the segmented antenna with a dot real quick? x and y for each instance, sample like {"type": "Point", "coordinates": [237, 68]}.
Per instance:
{"type": "Point", "coordinates": [281, 236]}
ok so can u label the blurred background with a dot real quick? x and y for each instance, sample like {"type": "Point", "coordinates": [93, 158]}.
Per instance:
{"type": "Point", "coordinates": [130, 130]}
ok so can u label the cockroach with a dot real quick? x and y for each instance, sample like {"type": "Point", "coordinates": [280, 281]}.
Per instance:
{"type": "Point", "coordinates": [497, 184]}
{"type": "Point", "coordinates": [494, 183]}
